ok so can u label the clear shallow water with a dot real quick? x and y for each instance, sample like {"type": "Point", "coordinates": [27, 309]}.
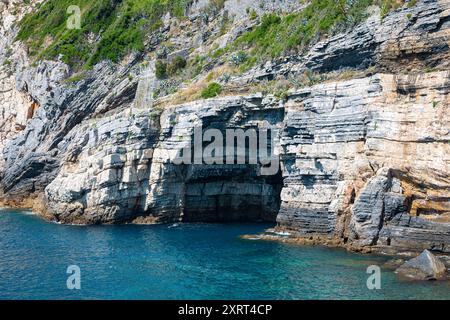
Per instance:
{"type": "Point", "coordinates": [192, 261]}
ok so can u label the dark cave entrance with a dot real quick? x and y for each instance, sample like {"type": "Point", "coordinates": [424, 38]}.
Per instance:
{"type": "Point", "coordinates": [231, 194]}
{"type": "Point", "coordinates": [243, 187]}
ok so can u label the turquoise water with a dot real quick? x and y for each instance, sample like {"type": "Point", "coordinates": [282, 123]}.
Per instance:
{"type": "Point", "coordinates": [192, 261]}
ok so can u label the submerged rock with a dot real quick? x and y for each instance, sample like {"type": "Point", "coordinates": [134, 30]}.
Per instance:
{"type": "Point", "coordinates": [424, 267]}
{"type": "Point", "coordinates": [394, 264]}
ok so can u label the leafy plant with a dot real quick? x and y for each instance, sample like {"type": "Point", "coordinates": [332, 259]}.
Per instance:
{"type": "Point", "coordinates": [154, 115]}
{"type": "Point", "coordinates": [177, 64]}
{"type": "Point", "coordinates": [238, 58]}
{"type": "Point", "coordinates": [282, 95]}
{"type": "Point", "coordinates": [160, 69]}
{"type": "Point", "coordinates": [211, 91]}
{"type": "Point", "coordinates": [412, 3]}
{"type": "Point", "coordinates": [253, 14]}
{"type": "Point", "coordinates": [109, 28]}
{"type": "Point", "coordinates": [164, 69]}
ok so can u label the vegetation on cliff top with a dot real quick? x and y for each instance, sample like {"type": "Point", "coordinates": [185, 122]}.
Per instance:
{"type": "Point", "coordinates": [109, 29]}
{"type": "Point", "coordinates": [279, 35]}
{"type": "Point", "coordinates": [112, 28]}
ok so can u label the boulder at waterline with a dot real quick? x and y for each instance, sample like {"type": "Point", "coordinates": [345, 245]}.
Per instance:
{"type": "Point", "coordinates": [424, 267]}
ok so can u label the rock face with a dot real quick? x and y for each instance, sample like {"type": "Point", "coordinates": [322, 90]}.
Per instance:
{"type": "Point", "coordinates": [351, 167]}
{"type": "Point", "coordinates": [122, 168]}
{"type": "Point", "coordinates": [415, 38]}
{"type": "Point", "coordinates": [17, 106]}
{"type": "Point", "coordinates": [364, 162]}
{"type": "Point", "coordinates": [403, 39]}
{"type": "Point", "coordinates": [424, 267]}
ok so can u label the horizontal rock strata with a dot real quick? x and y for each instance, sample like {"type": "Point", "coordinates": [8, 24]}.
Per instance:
{"type": "Point", "coordinates": [364, 160]}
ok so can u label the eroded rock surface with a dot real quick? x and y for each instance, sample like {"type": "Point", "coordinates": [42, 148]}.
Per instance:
{"type": "Point", "coordinates": [121, 168]}
{"type": "Point", "coordinates": [349, 164]}
{"type": "Point", "coordinates": [357, 155]}
{"type": "Point", "coordinates": [424, 267]}
{"type": "Point", "coordinates": [364, 162]}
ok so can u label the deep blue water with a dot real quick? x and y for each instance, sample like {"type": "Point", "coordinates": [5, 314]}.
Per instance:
{"type": "Point", "coordinates": [191, 261]}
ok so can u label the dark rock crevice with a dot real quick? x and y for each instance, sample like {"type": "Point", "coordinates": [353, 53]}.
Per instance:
{"type": "Point", "coordinates": [232, 196]}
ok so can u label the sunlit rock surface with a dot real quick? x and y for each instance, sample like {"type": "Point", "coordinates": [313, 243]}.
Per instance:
{"type": "Point", "coordinates": [424, 267]}
{"type": "Point", "coordinates": [364, 160]}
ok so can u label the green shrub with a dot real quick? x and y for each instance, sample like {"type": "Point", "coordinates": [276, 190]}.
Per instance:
{"type": "Point", "coordinates": [412, 3]}
{"type": "Point", "coordinates": [195, 66]}
{"type": "Point", "coordinates": [120, 25]}
{"type": "Point", "coordinates": [213, 90]}
{"type": "Point", "coordinates": [161, 69]}
{"type": "Point", "coordinates": [176, 65]}
{"type": "Point", "coordinates": [238, 58]}
{"type": "Point", "coordinates": [164, 69]}
{"type": "Point", "coordinates": [253, 15]}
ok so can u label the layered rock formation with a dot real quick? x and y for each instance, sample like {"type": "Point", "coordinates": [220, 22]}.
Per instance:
{"type": "Point", "coordinates": [17, 107]}
{"type": "Point", "coordinates": [121, 168]}
{"type": "Point", "coordinates": [364, 161]}
{"type": "Point", "coordinates": [352, 167]}
{"type": "Point", "coordinates": [413, 39]}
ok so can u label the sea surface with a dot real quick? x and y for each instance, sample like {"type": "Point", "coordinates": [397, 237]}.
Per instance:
{"type": "Point", "coordinates": [187, 261]}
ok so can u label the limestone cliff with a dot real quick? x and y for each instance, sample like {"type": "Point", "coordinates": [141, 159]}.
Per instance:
{"type": "Point", "coordinates": [364, 141]}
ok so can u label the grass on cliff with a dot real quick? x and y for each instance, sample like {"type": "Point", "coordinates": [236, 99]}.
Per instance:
{"type": "Point", "coordinates": [109, 28]}
{"type": "Point", "coordinates": [280, 35]}
{"type": "Point", "coordinates": [112, 28]}
{"type": "Point", "coordinates": [211, 91]}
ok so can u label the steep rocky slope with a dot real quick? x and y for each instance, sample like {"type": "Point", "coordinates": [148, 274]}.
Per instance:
{"type": "Point", "coordinates": [364, 140]}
